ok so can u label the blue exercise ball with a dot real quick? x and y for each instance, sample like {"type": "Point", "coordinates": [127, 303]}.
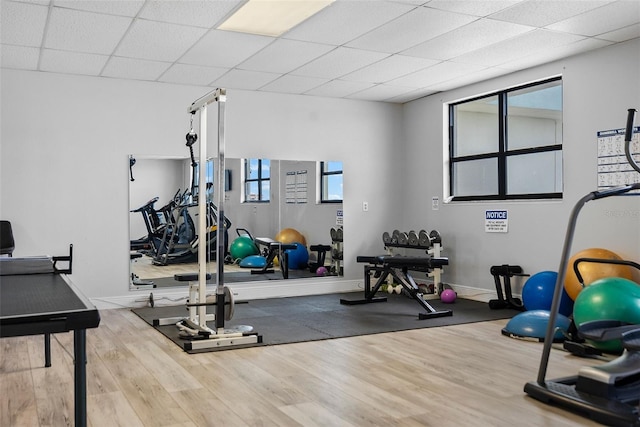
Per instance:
{"type": "Point", "coordinates": [537, 293]}
{"type": "Point", "coordinates": [298, 258]}
{"type": "Point", "coordinates": [533, 325]}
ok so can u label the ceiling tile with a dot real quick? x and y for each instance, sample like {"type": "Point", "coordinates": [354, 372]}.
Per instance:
{"type": "Point", "coordinates": [517, 47]}
{"type": "Point", "coordinates": [472, 7]}
{"type": "Point", "coordinates": [135, 69]}
{"type": "Point", "coordinates": [192, 74]}
{"type": "Point", "coordinates": [410, 96]}
{"type": "Point", "coordinates": [283, 56]}
{"type": "Point", "coordinates": [438, 73]}
{"type": "Point", "coordinates": [158, 41]}
{"type": "Point", "coordinates": [339, 62]}
{"type": "Point", "coordinates": [22, 23]}
{"type": "Point", "coordinates": [380, 92]}
{"type": "Point", "coordinates": [20, 57]}
{"type": "Point", "coordinates": [60, 61]}
{"type": "Point", "coordinates": [601, 20]}
{"type": "Point", "coordinates": [199, 13]}
{"type": "Point", "coordinates": [389, 68]}
{"type": "Point", "coordinates": [539, 13]}
{"type": "Point", "coordinates": [555, 53]}
{"type": "Point", "coordinates": [413, 28]}
{"type": "Point", "coordinates": [121, 7]}
{"type": "Point", "coordinates": [338, 88]}
{"type": "Point", "coordinates": [293, 84]}
{"type": "Point", "coordinates": [247, 80]}
{"type": "Point", "coordinates": [84, 31]}
{"type": "Point", "coordinates": [344, 21]}
{"type": "Point", "coordinates": [467, 79]}
{"type": "Point", "coordinates": [224, 48]}
{"type": "Point", "coordinates": [478, 34]}
{"type": "Point", "coordinates": [623, 34]}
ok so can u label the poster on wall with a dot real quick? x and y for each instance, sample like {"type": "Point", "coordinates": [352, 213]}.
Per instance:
{"type": "Point", "coordinates": [496, 221]}
{"type": "Point", "coordinates": [613, 167]}
{"type": "Point", "coordinates": [296, 187]}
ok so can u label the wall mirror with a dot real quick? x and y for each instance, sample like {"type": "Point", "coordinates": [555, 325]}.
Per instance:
{"type": "Point", "coordinates": [262, 197]}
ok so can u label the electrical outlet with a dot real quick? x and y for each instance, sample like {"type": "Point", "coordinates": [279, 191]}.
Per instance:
{"type": "Point", "coordinates": [365, 206]}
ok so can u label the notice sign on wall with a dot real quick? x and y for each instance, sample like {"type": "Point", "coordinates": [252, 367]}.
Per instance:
{"type": "Point", "coordinates": [496, 221]}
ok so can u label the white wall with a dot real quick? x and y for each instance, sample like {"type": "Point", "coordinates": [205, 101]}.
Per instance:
{"type": "Point", "coordinates": [64, 168]}
{"type": "Point", "coordinates": [66, 140]}
{"type": "Point", "coordinates": [599, 87]}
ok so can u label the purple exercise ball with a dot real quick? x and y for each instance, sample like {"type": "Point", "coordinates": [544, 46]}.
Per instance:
{"type": "Point", "coordinates": [448, 296]}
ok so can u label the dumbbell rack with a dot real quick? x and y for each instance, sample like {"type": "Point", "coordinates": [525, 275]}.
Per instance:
{"type": "Point", "coordinates": [434, 249]}
{"type": "Point", "coordinates": [336, 251]}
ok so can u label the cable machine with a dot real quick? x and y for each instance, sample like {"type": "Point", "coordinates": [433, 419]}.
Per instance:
{"type": "Point", "coordinates": [195, 328]}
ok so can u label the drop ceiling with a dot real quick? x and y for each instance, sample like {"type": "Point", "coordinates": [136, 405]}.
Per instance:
{"type": "Point", "coordinates": [390, 51]}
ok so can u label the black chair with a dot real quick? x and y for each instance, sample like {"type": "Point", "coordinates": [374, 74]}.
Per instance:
{"type": "Point", "coordinates": [7, 244]}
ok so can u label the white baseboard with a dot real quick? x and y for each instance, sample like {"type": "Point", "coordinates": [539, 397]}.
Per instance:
{"type": "Point", "coordinates": [242, 292]}
{"type": "Point", "coordinates": [246, 291]}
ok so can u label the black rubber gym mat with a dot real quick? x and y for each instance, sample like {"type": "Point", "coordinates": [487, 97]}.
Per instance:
{"type": "Point", "coordinates": [317, 317]}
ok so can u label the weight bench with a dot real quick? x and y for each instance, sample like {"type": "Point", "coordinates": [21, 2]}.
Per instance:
{"type": "Point", "coordinates": [272, 250]}
{"type": "Point", "coordinates": [398, 267]}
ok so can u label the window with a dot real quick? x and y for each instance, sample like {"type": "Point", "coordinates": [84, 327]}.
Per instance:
{"type": "Point", "coordinates": [330, 182]}
{"type": "Point", "coordinates": [257, 180]}
{"type": "Point", "coordinates": [507, 145]}
{"type": "Point", "coordinates": [195, 179]}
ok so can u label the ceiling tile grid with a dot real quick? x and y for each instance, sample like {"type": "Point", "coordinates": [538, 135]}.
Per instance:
{"type": "Point", "coordinates": [378, 50]}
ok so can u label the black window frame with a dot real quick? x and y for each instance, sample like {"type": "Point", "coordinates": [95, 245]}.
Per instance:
{"type": "Point", "coordinates": [503, 153]}
{"type": "Point", "coordinates": [259, 180]}
{"type": "Point", "coordinates": [324, 173]}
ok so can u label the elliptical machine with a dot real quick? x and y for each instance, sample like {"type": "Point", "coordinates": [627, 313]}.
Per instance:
{"type": "Point", "coordinates": [609, 393]}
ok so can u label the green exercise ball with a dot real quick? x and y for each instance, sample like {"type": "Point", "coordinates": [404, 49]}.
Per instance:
{"type": "Point", "coordinates": [611, 298]}
{"type": "Point", "coordinates": [242, 247]}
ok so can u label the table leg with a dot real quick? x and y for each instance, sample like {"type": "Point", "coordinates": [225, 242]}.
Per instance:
{"type": "Point", "coordinates": [47, 350]}
{"type": "Point", "coordinates": [80, 377]}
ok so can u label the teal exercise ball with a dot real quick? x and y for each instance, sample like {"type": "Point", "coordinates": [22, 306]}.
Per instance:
{"type": "Point", "coordinates": [610, 298]}
{"type": "Point", "coordinates": [242, 247]}
{"type": "Point", "coordinates": [298, 258]}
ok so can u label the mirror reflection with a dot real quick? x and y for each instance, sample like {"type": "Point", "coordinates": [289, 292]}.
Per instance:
{"type": "Point", "coordinates": [283, 219]}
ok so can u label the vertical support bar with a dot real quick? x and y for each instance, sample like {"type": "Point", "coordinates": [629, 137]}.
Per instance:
{"type": "Point", "coordinates": [47, 350]}
{"type": "Point", "coordinates": [220, 295]}
{"type": "Point", "coordinates": [202, 221]}
{"type": "Point", "coordinates": [80, 376]}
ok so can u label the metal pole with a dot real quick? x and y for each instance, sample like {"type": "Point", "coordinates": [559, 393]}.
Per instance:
{"type": "Point", "coordinates": [220, 295]}
{"type": "Point", "coordinates": [202, 221]}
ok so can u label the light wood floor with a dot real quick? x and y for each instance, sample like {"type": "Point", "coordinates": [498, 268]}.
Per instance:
{"type": "Point", "coordinates": [466, 375]}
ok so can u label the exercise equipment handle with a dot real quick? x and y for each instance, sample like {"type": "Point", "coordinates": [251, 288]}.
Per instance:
{"type": "Point", "coordinates": [631, 112]}
{"type": "Point", "coordinates": [576, 270]}
{"type": "Point", "coordinates": [628, 134]}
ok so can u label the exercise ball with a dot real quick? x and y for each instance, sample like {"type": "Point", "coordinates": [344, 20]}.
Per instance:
{"type": "Point", "coordinates": [533, 325]}
{"type": "Point", "coordinates": [537, 293]}
{"type": "Point", "coordinates": [321, 271]}
{"type": "Point", "coordinates": [290, 235]}
{"type": "Point", "coordinates": [242, 247]}
{"type": "Point", "coordinates": [591, 271]}
{"type": "Point", "coordinates": [298, 258]}
{"type": "Point", "coordinates": [611, 298]}
{"type": "Point", "coordinates": [448, 296]}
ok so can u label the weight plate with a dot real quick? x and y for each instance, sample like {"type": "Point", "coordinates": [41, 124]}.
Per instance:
{"type": "Point", "coordinates": [229, 303]}
{"type": "Point", "coordinates": [403, 238]}
{"type": "Point", "coordinates": [423, 239]}
{"type": "Point", "coordinates": [339, 234]}
{"type": "Point", "coordinates": [386, 237]}
{"type": "Point", "coordinates": [333, 233]}
{"type": "Point", "coordinates": [435, 236]}
{"type": "Point", "coordinates": [413, 238]}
